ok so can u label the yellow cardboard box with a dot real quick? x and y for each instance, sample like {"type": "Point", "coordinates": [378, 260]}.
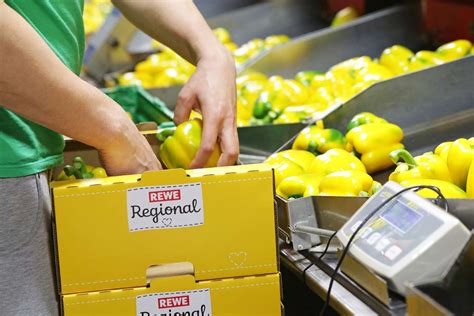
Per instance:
{"type": "Point", "coordinates": [110, 231]}
{"type": "Point", "coordinates": [183, 296]}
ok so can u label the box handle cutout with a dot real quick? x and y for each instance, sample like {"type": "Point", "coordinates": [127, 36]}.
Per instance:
{"type": "Point", "coordinates": [169, 270]}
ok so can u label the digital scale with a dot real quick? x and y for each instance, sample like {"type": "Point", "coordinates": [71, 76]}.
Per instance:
{"type": "Point", "coordinates": [408, 240]}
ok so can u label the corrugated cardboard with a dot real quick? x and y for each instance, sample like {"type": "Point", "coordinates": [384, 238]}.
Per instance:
{"type": "Point", "coordinates": [182, 295]}
{"type": "Point", "coordinates": [99, 248]}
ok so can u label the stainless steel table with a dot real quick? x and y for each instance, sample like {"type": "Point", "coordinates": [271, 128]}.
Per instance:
{"type": "Point", "coordinates": [343, 301]}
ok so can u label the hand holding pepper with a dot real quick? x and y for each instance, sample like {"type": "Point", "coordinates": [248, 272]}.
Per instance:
{"type": "Point", "coordinates": [181, 144]}
{"type": "Point", "coordinates": [211, 91]}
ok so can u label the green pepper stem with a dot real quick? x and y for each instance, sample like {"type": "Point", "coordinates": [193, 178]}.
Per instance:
{"type": "Point", "coordinates": [165, 133]}
{"type": "Point", "coordinates": [404, 155]}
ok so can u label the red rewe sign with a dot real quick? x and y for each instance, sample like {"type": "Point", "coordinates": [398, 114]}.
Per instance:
{"type": "Point", "coordinates": [173, 301]}
{"type": "Point", "coordinates": [164, 195]}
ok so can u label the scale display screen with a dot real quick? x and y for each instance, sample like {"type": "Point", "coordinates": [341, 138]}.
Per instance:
{"type": "Point", "coordinates": [401, 216]}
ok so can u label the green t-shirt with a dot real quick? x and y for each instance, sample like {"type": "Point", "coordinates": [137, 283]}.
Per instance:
{"type": "Point", "coordinates": [25, 147]}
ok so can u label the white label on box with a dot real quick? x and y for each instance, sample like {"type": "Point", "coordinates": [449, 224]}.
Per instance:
{"type": "Point", "coordinates": [167, 206]}
{"type": "Point", "coordinates": [189, 303]}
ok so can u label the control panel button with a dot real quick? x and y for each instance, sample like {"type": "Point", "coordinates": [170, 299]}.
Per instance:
{"type": "Point", "coordinates": [382, 244]}
{"type": "Point", "coordinates": [393, 252]}
{"type": "Point", "coordinates": [373, 238]}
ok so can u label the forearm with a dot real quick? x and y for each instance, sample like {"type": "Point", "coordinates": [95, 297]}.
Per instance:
{"type": "Point", "coordinates": [35, 84]}
{"type": "Point", "coordinates": [211, 89]}
{"type": "Point", "coordinates": [176, 23]}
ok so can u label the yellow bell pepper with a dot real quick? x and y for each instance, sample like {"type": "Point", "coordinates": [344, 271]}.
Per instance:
{"type": "Point", "coordinates": [375, 141]}
{"type": "Point", "coordinates": [455, 49]}
{"type": "Point", "coordinates": [290, 163]}
{"type": "Point", "coordinates": [346, 183]}
{"type": "Point", "coordinates": [429, 57]}
{"type": "Point", "coordinates": [335, 160]}
{"type": "Point", "coordinates": [470, 181]}
{"type": "Point", "coordinates": [249, 49]}
{"type": "Point", "coordinates": [274, 40]}
{"type": "Point", "coordinates": [449, 190]}
{"type": "Point", "coordinates": [300, 157]}
{"type": "Point", "coordinates": [318, 81]}
{"type": "Point", "coordinates": [285, 168]}
{"type": "Point", "coordinates": [180, 147]}
{"type": "Point", "coordinates": [244, 108]}
{"type": "Point", "coordinates": [296, 92]}
{"type": "Point", "coordinates": [319, 141]}
{"type": "Point", "coordinates": [322, 98]}
{"type": "Point", "coordinates": [396, 58]}
{"type": "Point", "coordinates": [222, 35]}
{"type": "Point", "coordinates": [426, 166]}
{"type": "Point", "coordinates": [299, 186]}
{"type": "Point", "coordinates": [342, 76]}
{"type": "Point", "coordinates": [460, 157]}
{"type": "Point", "coordinates": [231, 46]}
{"type": "Point", "coordinates": [306, 77]}
{"type": "Point", "coordinates": [442, 150]}
{"type": "Point", "coordinates": [295, 114]}
{"type": "Point", "coordinates": [372, 73]}
{"type": "Point", "coordinates": [250, 76]}
{"type": "Point", "coordinates": [364, 118]}
{"type": "Point", "coordinates": [344, 16]}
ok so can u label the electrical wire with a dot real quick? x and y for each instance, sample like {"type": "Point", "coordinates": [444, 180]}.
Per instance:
{"type": "Point", "coordinates": [366, 219]}
{"type": "Point", "coordinates": [319, 257]}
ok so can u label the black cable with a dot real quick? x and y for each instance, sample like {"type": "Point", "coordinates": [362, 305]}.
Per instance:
{"type": "Point", "coordinates": [304, 273]}
{"type": "Point", "coordinates": [366, 219]}
{"type": "Point", "coordinates": [319, 258]}
{"type": "Point", "coordinates": [327, 245]}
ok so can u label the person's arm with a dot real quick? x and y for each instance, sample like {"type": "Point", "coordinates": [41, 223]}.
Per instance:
{"type": "Point", "coordinates": [211, 89]}
{"type": "Point", "coordinates": [35, 84]}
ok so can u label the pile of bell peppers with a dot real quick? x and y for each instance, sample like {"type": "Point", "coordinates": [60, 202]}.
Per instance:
{"type": "Point", "coordinates": [80, 170]}
{"type": "Point", "coordinates": [166, 68]}
{"type": "Point", "coordinates": [276, 100]}
{"type": "Point", "coordinates": [450, 168]}
{"type": "Point", "coordinates": [326, 162]}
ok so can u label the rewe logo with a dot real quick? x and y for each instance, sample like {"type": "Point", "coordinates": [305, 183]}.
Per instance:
{"type": "Point", "coordinates": [173, 301]}
{"type": "Point", "coordinates": [164, 207]}
{"type": "Point", "coordinates": [164, 195]}
{"type": "Point", "coordinates": [183, 303]}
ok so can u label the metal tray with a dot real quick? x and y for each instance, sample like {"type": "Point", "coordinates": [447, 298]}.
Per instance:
{"type": "Point", "coordinates": [432, 106]}
{"type": "Point", "coordinates": [368, 35]}
{"type": "Point", "coordinates": [258, 142]}
{"type": "Point", "coordinates": [293, 18]}
{"type": "Point", "coordinates": [321, 49]}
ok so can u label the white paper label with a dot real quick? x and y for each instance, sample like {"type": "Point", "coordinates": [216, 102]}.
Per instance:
{"type": "Point", "coordinates": [167, 206]}
{"type": "Point", "coordinates": [186, 303]}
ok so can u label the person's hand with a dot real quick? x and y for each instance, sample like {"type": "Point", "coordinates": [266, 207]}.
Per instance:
{"type": "Point", "coordinates": [128, 153]}
{"type": "Point", "coordinates": [211, 91]}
